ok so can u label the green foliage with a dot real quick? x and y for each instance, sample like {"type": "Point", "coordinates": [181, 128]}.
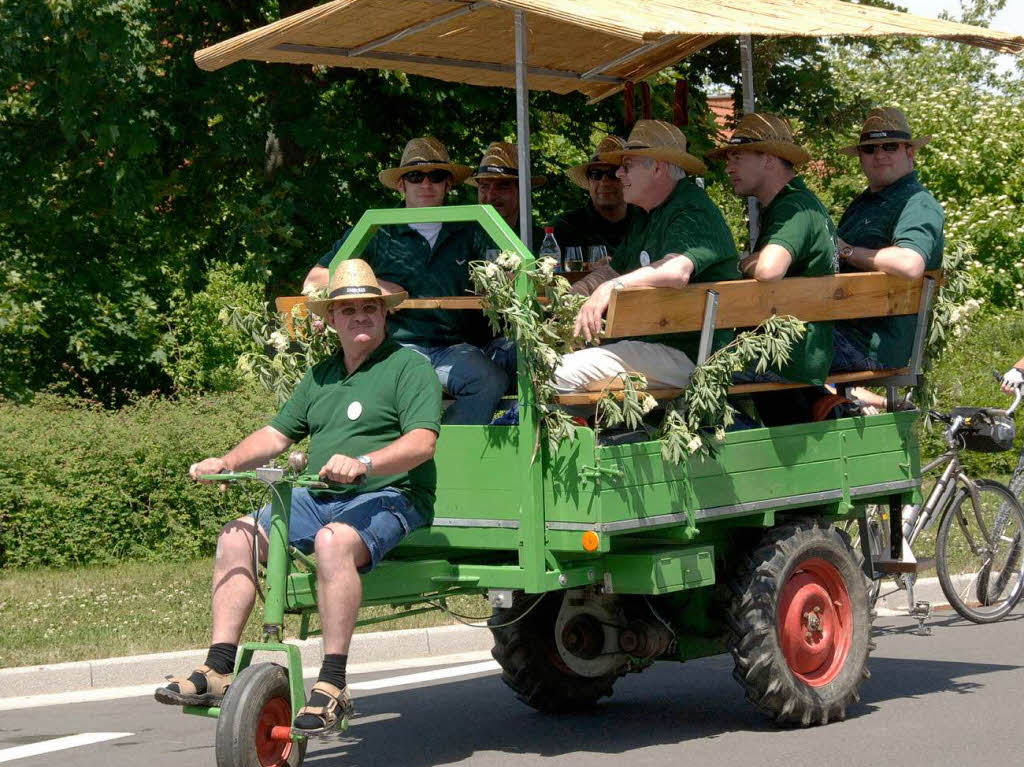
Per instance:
{"type": "Point", "coordinates": [699, 418]}
{"type": "Point", "coordinates": [542, 332]}
{"type": "Point", "coordinates": [990, 342]}
{"type": "Point", "coordinates": [129, 175]}
{"type": "Point", "coordinates": [79, 484]}
{"type": "Point", "coordinates": [282, 347]}
{"type": "Point", "coordinates": [205, 358]}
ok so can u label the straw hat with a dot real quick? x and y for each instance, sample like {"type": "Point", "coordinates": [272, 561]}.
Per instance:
{"type": "Point", "coordinates": [425, 154]}
{"type": "Point", "coordinates": [352, 280]}
{"type": "Point", "coordinates": [763, 132]}
{"type": "Point", "coordinates": [501, 160]}
{"type": "Point", "coordinates": [658, 140]}
{"type": "Point", "coordinates": [578, 173]}
{"type": "Point", "coordinates": [885, 124]}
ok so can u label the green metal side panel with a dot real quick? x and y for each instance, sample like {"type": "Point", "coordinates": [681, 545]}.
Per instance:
{"type": "Point", "coordinates": [662, 572]}
{"type": "Point", "coordinates": [817, 464]}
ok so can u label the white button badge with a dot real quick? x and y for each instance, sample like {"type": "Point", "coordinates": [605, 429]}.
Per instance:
{"type": "Point", "coordinates": [355, 410]}
{"type": "Point", "coordinates": [645, 258]}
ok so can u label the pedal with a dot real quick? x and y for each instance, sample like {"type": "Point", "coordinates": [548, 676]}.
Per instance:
{"type": "Point", "coordinates": [922, 611]}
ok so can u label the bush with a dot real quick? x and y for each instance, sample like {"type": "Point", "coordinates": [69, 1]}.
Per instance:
{"type": "Point", "coordinates": [80, 485]}
{"type": "Point", "coordinates": [963, 377]}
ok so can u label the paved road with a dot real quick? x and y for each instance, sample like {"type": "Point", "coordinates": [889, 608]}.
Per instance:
{"type": "Point", "coordinates": [950, 698]}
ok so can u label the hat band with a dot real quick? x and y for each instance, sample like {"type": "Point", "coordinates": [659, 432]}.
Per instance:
{"type": "Point", "coordinates": [501, 170]}
{"type": "Point", "coordinates": [354, 290]}
{"type": "Point", "coordinates": [877, 134]}
{"type": "Point", "coordinates": [743, 140]}
{"type": "Point", "coordinates": [425, 162]}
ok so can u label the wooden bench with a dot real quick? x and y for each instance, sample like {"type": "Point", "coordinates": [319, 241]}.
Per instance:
{"type": "Point", "coordinates": [706, 307]}
{"type": "Point", "coordinates": [709, 306]}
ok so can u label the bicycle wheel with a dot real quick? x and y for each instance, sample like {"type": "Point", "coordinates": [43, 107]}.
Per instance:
{"type": "Point", "coordinates": [978, 552]}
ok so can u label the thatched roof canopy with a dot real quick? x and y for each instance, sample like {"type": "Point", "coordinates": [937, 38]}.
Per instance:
{"type": "Point", "coordinates": [591, 46]}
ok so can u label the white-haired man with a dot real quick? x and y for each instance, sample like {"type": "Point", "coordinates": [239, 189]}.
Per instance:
{"type": "Point", "coordinates": [680, 237]}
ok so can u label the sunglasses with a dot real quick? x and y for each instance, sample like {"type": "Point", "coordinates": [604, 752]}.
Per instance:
{"type": "Point", "coordinates": [889, 146]}
{"type": "Point", "coordinates": [435, 176]}
{"type": "Point", "coordinates": [596, 174]}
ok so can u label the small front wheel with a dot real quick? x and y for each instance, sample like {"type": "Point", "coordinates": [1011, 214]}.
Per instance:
{"type": "Point", "coordinates": [257, 702]}
{"type": "Point", "coordinates": [978, 552]}
{"type": "Point", "coordinates": [800, 625]}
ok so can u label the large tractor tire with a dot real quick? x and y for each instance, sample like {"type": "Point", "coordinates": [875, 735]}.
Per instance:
{"type": "Point", "coordinates": [524, 646]}
{"type": "Point", "coordinates": [800, 625]}
{"type": "Point", "coordinates": [258, 700]}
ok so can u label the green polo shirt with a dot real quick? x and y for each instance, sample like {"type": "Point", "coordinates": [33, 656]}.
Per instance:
{"type": "Point", "coordinates": [394, 391]}
{"type": "Point", "coordinates": [796, 220]}
{"type": "Point", "coordinates": [585, 226]}
{"type": "Point", "coordinates": [687, 222]}
{"type": "Point", "coordinates": [397, 253]}
{"type": "Point", "coordinates": [904, 214]}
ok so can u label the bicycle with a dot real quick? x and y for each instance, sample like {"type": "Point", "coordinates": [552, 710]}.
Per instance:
{"type": "Point", "coordinates": [980, 538]}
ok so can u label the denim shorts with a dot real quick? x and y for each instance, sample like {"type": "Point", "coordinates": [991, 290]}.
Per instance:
{"type": "Point", "coordinates": [382, 519]}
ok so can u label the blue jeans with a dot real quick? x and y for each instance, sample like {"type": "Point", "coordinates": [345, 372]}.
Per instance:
{"type": "Point", "coordinates": [382, 519]}
{"type": "Point", "coordinates": [849, 356]}
{"type": "Point", "coordinates": [471, 377]}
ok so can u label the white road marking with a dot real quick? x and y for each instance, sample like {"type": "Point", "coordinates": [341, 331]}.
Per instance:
{"type": "Point", "coordinates": [146, 690]}
{"type": "Point", "coordinates": [58, 744]}
{"type": "Point", "coordinates": [426, 676]}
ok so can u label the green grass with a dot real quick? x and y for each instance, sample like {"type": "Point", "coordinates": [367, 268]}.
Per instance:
{"type": "Point", "coordinates": [55, 616]}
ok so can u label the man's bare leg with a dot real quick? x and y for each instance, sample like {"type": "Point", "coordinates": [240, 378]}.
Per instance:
{"type": "Point", "coordinates": [339, 552]}
{"type": "Point", "coordinates": [234, 592]}
{"type": "Point", "coordinates": [234, 584]}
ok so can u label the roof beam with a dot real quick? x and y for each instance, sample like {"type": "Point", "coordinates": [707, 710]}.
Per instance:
{"type": "Point", "coordinates": [359, 50]}
{"type": "Point", "coordinates": [591, 73]}
{"type": "Point", "coordinates": [409, 58]}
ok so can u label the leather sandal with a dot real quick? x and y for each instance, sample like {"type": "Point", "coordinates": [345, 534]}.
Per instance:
{"type": "Point", "coordinates": [320, 720]}
{"type": "Point", "coordinates": [182, 692]}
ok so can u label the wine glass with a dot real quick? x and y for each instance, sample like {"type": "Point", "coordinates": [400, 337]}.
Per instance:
{"type": "Point", "coordinates": [597, 255]}
{"type": "Point", "coordinates": [574, 259]}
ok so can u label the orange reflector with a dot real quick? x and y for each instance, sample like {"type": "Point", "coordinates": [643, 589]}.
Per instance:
{"type": "Point", "coordinates": [590, 541]}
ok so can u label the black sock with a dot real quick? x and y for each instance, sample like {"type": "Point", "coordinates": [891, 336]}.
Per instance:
{"type": "Point", "coordinates": [333, 670]}
{"type": "Point", "coordinates": [221, 657]}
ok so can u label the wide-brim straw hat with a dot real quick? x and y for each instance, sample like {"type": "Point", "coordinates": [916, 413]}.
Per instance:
{"type": "Point", "coordinates": [424, 154]}
{"type": "Point", "coordinates": [501, 160]}
{"type": "Point", "coordinates": [658, 140]}
{"type": "Point", "coordinates": [763, 132]}
{"type": "Point", "coordinates": [354, 280]}
{"type": "Point", "coordinates": [578, 173]}
{"type": "Point", "coordinates": [883, 126]}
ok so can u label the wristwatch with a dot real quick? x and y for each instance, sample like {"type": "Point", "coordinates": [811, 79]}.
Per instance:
{"type": "Point", "coordinates": [845, 252]}
{"type": "Point", "coordinates": [366, 461]}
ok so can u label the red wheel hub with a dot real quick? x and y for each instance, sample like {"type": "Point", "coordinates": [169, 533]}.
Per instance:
{"type": "Point", "coordinates": [815, 622]}
{"type": "Point", "coordinates": [275, 720]}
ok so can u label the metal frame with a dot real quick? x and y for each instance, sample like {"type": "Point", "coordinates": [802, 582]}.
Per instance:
{"type": "Point", "coordinates": [707, 331]}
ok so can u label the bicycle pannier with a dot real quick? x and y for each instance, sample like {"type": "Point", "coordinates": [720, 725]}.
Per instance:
{"type": "Point", "coordinates": [986, 429]}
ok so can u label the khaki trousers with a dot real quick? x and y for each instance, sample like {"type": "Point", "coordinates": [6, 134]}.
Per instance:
{"type": "Point", "coordinates": [590, 369]}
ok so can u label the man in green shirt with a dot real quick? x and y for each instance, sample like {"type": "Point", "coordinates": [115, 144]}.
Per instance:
{"type": "Point", "coordinates": [894, 226]}
{"type": "Point", "coordinates": [497, 184]}
{"type": "Point", "coordinates": [679, 236]}
{"type": "Point", "coordinates": [605, 218]}
{"type": "Point", "coordinates": [797, 237]}
{"type": "Point", "coordinates": [433, 260]}
{"type": "Point", "coordinates": [372, 413]}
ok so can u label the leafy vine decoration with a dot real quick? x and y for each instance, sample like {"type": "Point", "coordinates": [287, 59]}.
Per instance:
{"type": "Point", "coordinates": [694, 423]}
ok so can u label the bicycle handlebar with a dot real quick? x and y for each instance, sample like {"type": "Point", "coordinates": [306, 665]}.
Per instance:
{"type": "Point", "coordinates": [310, 481]}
